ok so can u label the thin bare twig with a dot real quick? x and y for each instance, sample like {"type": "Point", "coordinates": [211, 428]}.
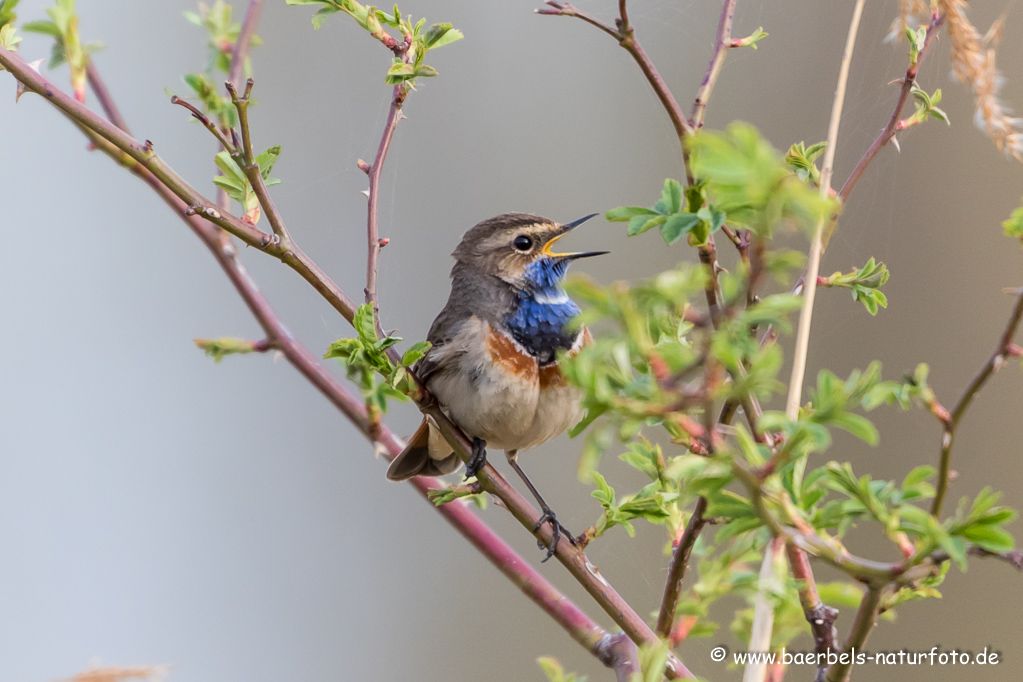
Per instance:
{"type": "Point", "coordinates": [212, 127]}
{"type": "Point", "coordinates": [994, 363]}
{"type": "Point", "coordinates": [866, 616]}
{"type": "Point", "coordinates": [820, 616]}
{"type": "Point", "coordinates": [721, 45]}
{"type": "Point", "coordinates": [677, 569]}
{"type": "Point", "coordinates": [374, 243]}
{"type": "Point", "coordinates": [99, 89]}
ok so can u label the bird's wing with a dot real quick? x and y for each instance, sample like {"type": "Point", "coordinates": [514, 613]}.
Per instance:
{"type": "Point", "coordinates": [442, 352]}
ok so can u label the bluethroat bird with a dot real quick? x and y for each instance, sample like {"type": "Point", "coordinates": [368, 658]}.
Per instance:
{"type": "Point", "coordinates": [493, 364]}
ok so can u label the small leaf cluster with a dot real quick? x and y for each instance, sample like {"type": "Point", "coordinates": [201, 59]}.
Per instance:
{"type": "Point", "coordinates": [555, 672]}
{"type": "Point", "coordinates": [749, 180]}
{"type": "Point", "coordinates": [9, 37]}
{"type": "Point", "coordinates": [416, 39]}
{"type": "Point", "coordinates": [728, 570]}
{"type": "Point", "coordinates": [237, 185]}
{"type": "Point", "coordinates": [67, 46]}
{"type": "Point", "coordinates": [803, 161]}
{"type": "Point", "coordinates": [469, 491]}
{"type": "Point", "coordinates": [223, 33]}
{"type": "Point", "coordinates": [679, 212]}
{"type": "Point", "coordinates": [365, 358]}
{"type": "Point", "coordinates": [220, 348]}
{"type": "Point", "coordinates": [1013, 226]}
{"type": "Point", "coordinates": [913, 389]}
{"type": "Point", "coordinates": [917, 38]}
{"type": "Point", "coordinates": [750, 40]}
{"type": "Point", "coordinates": [649, 503]}
{"type": "Point", "coordinates": [865, 284]}
{"type": "Point", "coordinates": [653, 656]}
{"type": "Point", "coordinates": [7, 11]}
{"type": "Point", "coordinates": [925, 108]}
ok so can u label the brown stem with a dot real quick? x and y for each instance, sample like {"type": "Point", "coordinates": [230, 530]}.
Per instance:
{"type": "Point", "coordinates": [864, 623]}
{"type": "Point", "coordinates": [721, 45]}
{"type": "Point", "coordinates": [677, 568]}
{"type": "Point", "coordinates": [99, 89]}
{"type": "Point", "coordinates": [993, 364]}
{"type": "Point", "coordinates": [372, 225]}
{"type": "Point", "coordinates": [889, 130]}
{"type": "Point", "coordinates": [820, 616]}
{"type": "Point", "coordinates": [198, 115]}
{"type": "Point", "coordinates": [619, 653]}
{"type": "Point", "coordinates": [251, 168]}
{"type": "Point", "coordinates": [240, 53]}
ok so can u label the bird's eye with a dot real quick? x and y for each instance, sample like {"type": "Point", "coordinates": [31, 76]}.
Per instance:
{"type": "Point", "coordinates": [523, 243]}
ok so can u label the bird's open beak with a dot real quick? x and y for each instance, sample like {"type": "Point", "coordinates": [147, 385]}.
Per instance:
{"type": "Point", "coordinates": [565, 229]}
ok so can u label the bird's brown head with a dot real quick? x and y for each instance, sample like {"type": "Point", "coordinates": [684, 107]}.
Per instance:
{"type": "Point", "coordinates": [506, 245]}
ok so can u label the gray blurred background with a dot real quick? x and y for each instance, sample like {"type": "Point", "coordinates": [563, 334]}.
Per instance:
{"type": "Point", "coordinates": [158, 508]}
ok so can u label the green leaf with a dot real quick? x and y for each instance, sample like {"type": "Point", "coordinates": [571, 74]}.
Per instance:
{"type": "Point", "coordinates": [858, 426]}
{"type": "Point", "coordinates": [626, 213]}
{"type": "Point", "coordinates": [321, 16]}
{"type": "Point", "coordinates": [44, 27]}
{"type": "Point", "coordinates": [677, 225]}
{"type": "Point", "coordinates": [671, 196]}
{"type": "Point", "coordinates": [415, 352]}
{"type": "Point", "coordinates": [440, 35]}
{"type": "Point", "coordinates": [644, 223]}
{"type": "Point", "coordinates": [267, 159]}
{"type": "Point", "coordinates": [991, 538]}
{"type": "Point", "coordinates": [9, 38]}
{"type": "Point", "coordinates": [364, 324]}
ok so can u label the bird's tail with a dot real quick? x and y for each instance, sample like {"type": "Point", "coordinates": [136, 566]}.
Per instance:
{"type": "Point", "coordinates": [415, 459]}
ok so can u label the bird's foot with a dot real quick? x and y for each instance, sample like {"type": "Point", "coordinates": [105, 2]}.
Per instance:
{"type": "Point", "coordinates": [478, 458]}
{"type": "Point", "coordinates": [556, 530]}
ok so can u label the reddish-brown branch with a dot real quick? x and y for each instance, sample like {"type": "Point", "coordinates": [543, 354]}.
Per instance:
{"type": "Point", "coordinates": [889, 130]}
{"type": "Point", "coordinates": [820, 616]}
{"type": "Point", "coordinates": [994, 363]}
{"type": "Point", "coordinates": [866, 617]}
{"type": "Point", "coordinates": [619, 653]}
{"type": "Point", "coordinates": [99, 89]}
{"type": "Point", "coordinates": [721, 45]}
{"type": "Point", "coordinates": [374, 243]}
{"type": "Point", "coordinates": [677, 568]}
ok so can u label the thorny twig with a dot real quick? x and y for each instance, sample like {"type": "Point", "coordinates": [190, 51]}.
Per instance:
{"type": "Point", "coordinates": [951, 423]}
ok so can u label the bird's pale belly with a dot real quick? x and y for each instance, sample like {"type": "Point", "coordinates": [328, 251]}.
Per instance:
{"type": "Point", "coordinates": [504, 397]}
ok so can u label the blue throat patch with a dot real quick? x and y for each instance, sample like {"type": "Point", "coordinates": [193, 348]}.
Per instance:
{"type": "Point", "coordinates": [542, 311]}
